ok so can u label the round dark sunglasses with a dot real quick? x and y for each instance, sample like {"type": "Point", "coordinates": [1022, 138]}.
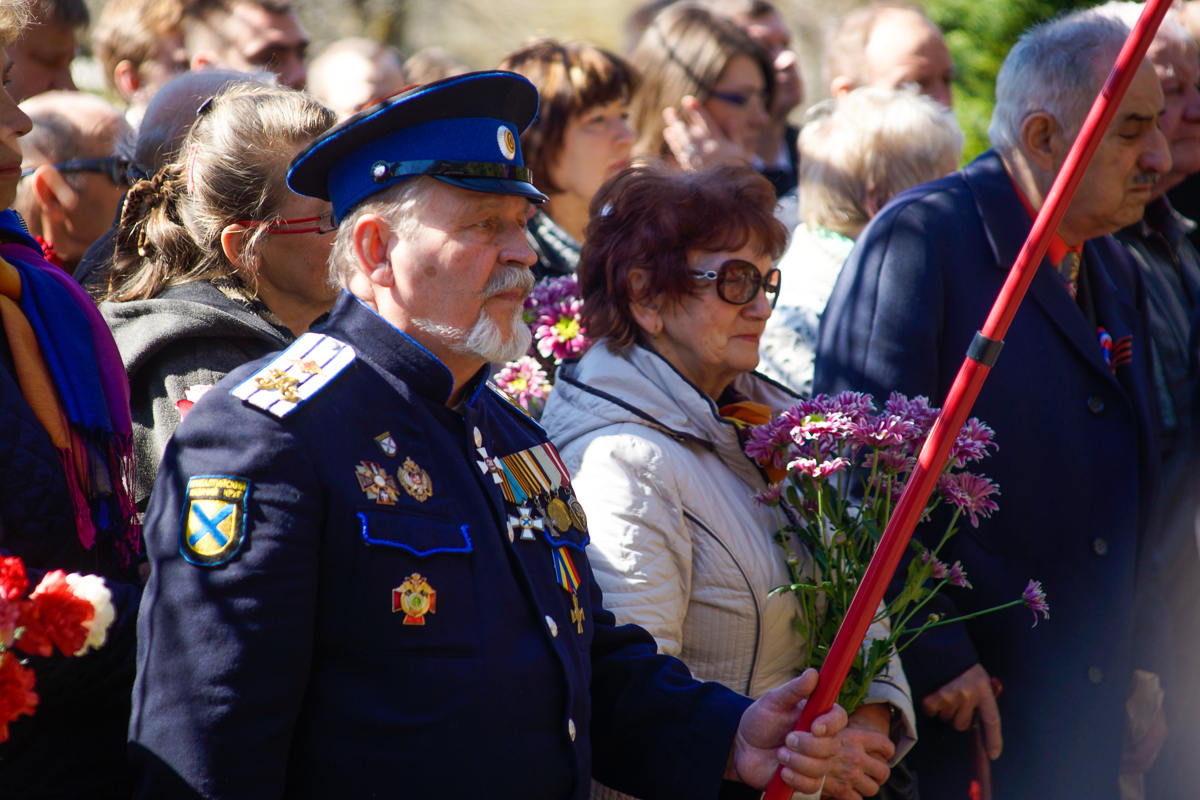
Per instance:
{"type": "Point", "coordinates": [738, 282]}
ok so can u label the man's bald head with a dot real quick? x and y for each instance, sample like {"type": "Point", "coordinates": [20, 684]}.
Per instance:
{"type": "Point", "coordinates": [68, 126]}
{"type": "Point", "coordinates": [887, 45]}
{"type": "Point", "coordinates": [173, 110]}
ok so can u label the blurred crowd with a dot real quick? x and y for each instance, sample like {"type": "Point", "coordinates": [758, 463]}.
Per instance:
{"type": "Point", "coordinates": [878, 256]}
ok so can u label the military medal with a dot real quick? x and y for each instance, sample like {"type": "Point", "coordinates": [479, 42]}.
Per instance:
{"type": "Point", "coordinates": [386, 443]}
{"type": "Point", "coordinates": [577, 516]}
{"type": "Point", "coordinates": [488, 464]}
{"type": "Point", "coordinates": [568, 579]}
{"type": "Point", "coordinates": [557, 513]}
{"type": "Point", "coordinates": [526, 522]}
{"type": "Point", "coordinates": [415, 481]}
{"type": "Point", "coordinates": [377, 484]}
{"type": "Point", "coordinates": [416, 598]}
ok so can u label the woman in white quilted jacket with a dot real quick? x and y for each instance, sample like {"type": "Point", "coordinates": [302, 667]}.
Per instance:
{"type": "Point", "coordinates": [678, 283]}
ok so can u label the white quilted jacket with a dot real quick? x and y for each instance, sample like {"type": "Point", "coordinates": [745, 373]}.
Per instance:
{"type": "Point", "coordinates": [677, 544]}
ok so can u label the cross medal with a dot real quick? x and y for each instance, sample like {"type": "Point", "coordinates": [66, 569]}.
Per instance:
{"type": "Point", "coordinates": [577, 614]}
{"type": "Point", "coordinates": [526, 522]}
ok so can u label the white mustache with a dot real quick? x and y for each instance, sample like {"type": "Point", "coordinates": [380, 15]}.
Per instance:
{"type": "Point", "coordinates": [506, 280]}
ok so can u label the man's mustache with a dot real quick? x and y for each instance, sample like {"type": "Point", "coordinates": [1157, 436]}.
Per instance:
{"type": "Point", "coordinates": [507, 279]}
{"type": "Point", "coordinates": [1143, 178]}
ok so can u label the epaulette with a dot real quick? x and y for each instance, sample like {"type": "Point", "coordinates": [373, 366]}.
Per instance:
{"type": "Point", "coordinates": [296, 374]}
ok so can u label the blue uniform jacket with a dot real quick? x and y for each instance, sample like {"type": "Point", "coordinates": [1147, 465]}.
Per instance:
{"type": "Point", "coordinates": [289, 669]}
{"type": "Point", "coordinates": [1074, 467]}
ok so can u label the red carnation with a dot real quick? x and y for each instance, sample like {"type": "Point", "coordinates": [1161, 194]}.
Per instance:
{"type": "Point", "coordinates": [13, 582]}
{"type": "Point", "coordinates": [56, 616]}
{"type": "Point", "coordinates": [16, 691]}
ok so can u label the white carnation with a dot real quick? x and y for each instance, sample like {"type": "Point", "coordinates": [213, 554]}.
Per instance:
{"type": "Point", "coordinates": [92, 589]}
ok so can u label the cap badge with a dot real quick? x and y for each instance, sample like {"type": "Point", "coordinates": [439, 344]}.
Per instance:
{"type": "Point", "coordinates": [416, 598]}
{"type": "Point", "coordinates": [376, 483]}
{"type": "Point", "coordinates": [415, 481]}
{"type": "Point", "coordinates": [508, 142]}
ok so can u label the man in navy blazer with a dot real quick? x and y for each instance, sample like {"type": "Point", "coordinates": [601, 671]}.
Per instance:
{"type": "Point", "coordinates": [1071, 404]}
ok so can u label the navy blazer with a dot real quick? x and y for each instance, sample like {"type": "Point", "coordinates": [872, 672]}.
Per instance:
{"type": "Point", "coordinates": [286, 670]}
{"type": "Point", "coordinates": [1074, 467]}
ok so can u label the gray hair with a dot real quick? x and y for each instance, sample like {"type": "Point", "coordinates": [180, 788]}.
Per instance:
{"type": "Point", "coordinates": [1170, 31]}
{"type": "Point", "coordinates": [1057, 68]}
{"type": "Point", "coordinates": [868, 148]}
{"type": "Point", "coordinates": [396, 204]}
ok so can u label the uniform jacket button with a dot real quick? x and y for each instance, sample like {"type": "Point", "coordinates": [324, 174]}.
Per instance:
{"type": "Point", "coordinates": [552, 625]}
{"type": "Point", "coordinates": [1095, 674]}
{"type": "Point", "coordinates": [1100, 546]}
{"type": "Point", "coordinates": [571, 729]}
{"type": "Point", "coordinates": [1095, 404]}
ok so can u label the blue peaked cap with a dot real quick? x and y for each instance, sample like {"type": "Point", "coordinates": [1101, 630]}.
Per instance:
{"type": "Point", "coordinates": [464, 130]}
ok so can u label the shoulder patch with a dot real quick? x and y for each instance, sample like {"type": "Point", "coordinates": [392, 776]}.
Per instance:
{"type": "Point", "coordinates": [213, 526]}
{"type": "Point", "coordinates": [296, 374]}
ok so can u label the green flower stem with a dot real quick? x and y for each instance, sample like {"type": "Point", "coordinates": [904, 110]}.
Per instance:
{"type": "Point", "coordinates": [963, 618]}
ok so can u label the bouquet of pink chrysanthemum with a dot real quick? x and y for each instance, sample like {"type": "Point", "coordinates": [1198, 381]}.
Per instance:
{"type": "Point", "coordinates": [553, 312]}
{"type": "Point", "coordinates": [68, 613]}
{"type": "Point", "coordinates": [846, 466]}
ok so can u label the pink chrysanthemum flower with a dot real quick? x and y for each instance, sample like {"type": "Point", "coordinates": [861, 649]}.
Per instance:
{"type": "Point", "coordinates": [559, 331]}
{"type": "Point", "coordinates": [939, 570]}
{"type": "Point", "coordinates": [890, 462]}
{"type": "Point", "coordinates": [769, 444]}
{"type": "Point", "coordinates": [970, 493]}
{"type": "Point", "coordinates": [855, 405]}
{"type": "Point", "coordinates": [886, 431]}
{"type": "Point", "coordinates": [770, 496]}
{"type": "Point", "coordinates": [818, 470]}
{"type": "Point", "coordinates": [525, 381]}
{"type": "Point", "coordinates": [917, 411]}
{"type": "Point", "coordinates": [1035, 598]}
{"type": "Point", "coordinates": [972, 443]}
{"type": "Point", "coordinates": [816, 427]}
{"type": "Point", "coordinates": [958, 575]}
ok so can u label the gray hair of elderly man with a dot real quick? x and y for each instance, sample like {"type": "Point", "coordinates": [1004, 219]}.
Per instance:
{"type": "Point", "coordinates": [1055, 67]}
{"type": "Point", "coordinates": [858, 154]}
{"type": "Point", "coordinates": [1171, 29]}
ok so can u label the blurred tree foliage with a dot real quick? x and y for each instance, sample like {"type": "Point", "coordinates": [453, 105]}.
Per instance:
{"type": "Point", "coordinates": [980, 34]}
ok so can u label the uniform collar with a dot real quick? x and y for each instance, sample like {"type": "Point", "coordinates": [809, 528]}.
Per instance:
{"type": "Point", "coordinates": [389, 348]}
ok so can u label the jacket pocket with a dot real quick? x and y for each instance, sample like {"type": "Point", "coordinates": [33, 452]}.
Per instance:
{"type": "Point", "coordinates": [415, 586]}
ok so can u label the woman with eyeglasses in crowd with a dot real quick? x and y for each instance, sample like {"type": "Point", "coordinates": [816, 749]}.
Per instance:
{"type": "Point", "coordinates": [580, 138]}
{"type": "Point", "coordinates": [217, 261]}
{"type": "Point", "coordinates": [706, 87]}
{"type": "Point", "coordinates": [678, 283]}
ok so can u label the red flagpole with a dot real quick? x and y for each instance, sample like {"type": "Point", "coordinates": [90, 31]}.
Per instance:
{"type": "Point", "coordinates": [970, 378]}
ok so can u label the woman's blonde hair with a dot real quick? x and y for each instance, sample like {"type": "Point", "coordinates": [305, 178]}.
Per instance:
{"type": "Point", "coordinates": [14, 16]}
{"type": "Point", "coordinates": [684, 52]}
{"type": "Point", "coordinates": [858, 154]}
{"type": "Point", "coordinates": [232, 167]}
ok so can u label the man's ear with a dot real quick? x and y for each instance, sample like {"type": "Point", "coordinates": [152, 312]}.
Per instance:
{"type": "Point", "coordinates": [372, 244]}
{"type": "Point", "coordinates": [1039, 133]}
{"type": "Point", "coordinates": [201, 60]}
{"type": "Point", "coordinates": [647, 311]}
{"type": "Point", "coordinates": [841, 86]}
{"type": "Point", "coordinates": [126, 79]}
{"type": "Point", "coordinates": [53, 193]}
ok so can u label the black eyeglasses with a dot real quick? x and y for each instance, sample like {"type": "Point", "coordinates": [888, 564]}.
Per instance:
{"type": "Point", "coordinates": [738, 282]}
{"type": "Point", "coordinates": [115, 167]}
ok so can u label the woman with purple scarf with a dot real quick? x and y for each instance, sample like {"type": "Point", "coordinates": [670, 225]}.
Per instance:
{"type": "Point", "coordinates": [65, 447]}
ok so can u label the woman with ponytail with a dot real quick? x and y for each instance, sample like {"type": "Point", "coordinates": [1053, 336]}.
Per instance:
{"type": "Point", "coordinates": [217, 261]}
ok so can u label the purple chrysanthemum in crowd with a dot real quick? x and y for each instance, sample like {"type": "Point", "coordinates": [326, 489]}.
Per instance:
{"type": "Point", "coordinates": [525, 381]}
{"type": "Point", "coordinates": [972, 443]}
{"type": "Point", "coordinates": [938, 569]}
{"type": "Point", "coordinates": [971, 493]}
{"type": "Point", "coordinates": [770, 496]}
{"type": "Point", "coordinates": [818, 470]}
{"type": "Point", "coordinates": [559, 332]}
{"type": "Point", "coordinates": [917, 411]}
{"type": "Point", "coordinates": [958, 575]}
{"type": "Point", "coordinates": [769, 444]}
{"type": "Point", "coordinates": [1035, 598]}
{"type": "Point", "coordinates": [550, 292]}
{"type": "Point", "coordinates": [855, 405]}
{"type": "Point", "coordinates": [883, 431]}
{"type": "Point", "coordinates": [890, 462]}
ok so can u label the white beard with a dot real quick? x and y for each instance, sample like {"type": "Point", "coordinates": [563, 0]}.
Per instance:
{"type": "Point", "coordinates": [486, 339]}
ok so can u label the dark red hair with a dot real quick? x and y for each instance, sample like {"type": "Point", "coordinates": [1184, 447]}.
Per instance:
{"type": "Point", "coordinates": [649, 217]}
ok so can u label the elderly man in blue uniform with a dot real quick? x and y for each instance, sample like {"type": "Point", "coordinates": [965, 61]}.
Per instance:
{"type": "Point", "coordinates": [370, 576]}
{"type": "Point", "coordinates": [1070, 399]}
